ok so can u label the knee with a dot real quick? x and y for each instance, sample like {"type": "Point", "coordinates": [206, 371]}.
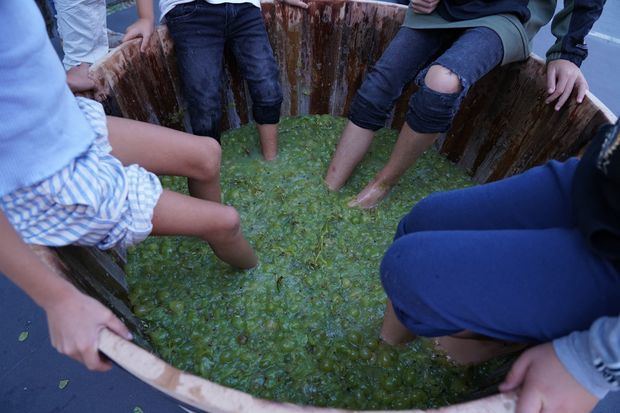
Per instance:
{"type": "Point", "coordinates": [410, 266]}
{"type": "Point", "coordinates": [206, 162]}
{"type": "Point", "coordinates": [228, 223]}
{"type": "Point", "coordinates": [396, 269]}
{"type": "Point", "coordinates": [442, 80]}
{"type": "Point", "coordinates": [424, 215]}
{"type": "Point", "coordinates": [410, 282]}
{"type": "Point", "coordinates": [389, 270]}
{"type": "Point", "coordinates": [421, 217]}
{"type": "Point", "coordinates": [433, 107]}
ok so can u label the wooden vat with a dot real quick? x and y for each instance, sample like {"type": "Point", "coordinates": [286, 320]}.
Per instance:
{"type": "Point", "coordinates": [503, 128]}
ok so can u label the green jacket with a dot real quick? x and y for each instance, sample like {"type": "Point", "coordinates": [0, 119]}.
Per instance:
{"type": "Point", "coordinates": [570, 27]}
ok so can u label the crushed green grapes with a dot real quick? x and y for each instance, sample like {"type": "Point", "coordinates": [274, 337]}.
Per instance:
{"type": "Point", "coordinates": [301, 327]}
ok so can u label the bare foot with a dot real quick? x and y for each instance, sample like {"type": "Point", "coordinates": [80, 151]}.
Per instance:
{"type": "Point", "coordinates": [473, 351]}
{"type": "Point", "coordinates": [371, 196]}
{"type": "Point", "coordinates": [79, 79]}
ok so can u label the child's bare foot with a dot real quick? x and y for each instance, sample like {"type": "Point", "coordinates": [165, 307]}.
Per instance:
{"type": "Point", "coordinates": [371, 196]}
{"type": "Point", "coordinates": [78, 78]}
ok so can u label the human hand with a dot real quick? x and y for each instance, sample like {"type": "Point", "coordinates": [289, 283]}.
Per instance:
{"type": "Point", "coordinates": [75, 321]}
{"type": "Point", "coordinates": [78, 78]}
{"type": "Point", "coordinates": [424, 6]}
{"type": "Point", "coordinates": [546, 386]}
{"type": "Point", "coordinates": [296, 3]}
{"type": "Point", "coordinates": [143, 28]}
{"type": "Point", "coordinates": [562, 77]}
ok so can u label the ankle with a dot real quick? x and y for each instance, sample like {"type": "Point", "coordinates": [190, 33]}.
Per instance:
{"type": "Point", "coordinates": [268, 140]}
{"type": "Point", "coordinates": [382, 182]}
{"type": "Point", "coordinates": [269, 153]}
{"type": "Point", "coordinates": [332, 184]}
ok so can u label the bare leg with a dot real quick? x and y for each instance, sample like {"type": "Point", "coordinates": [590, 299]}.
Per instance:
{"type": "Point", "coordinates": [463, 348]}
{"type": "Point", "coordinates": [78, 78]}
{"type": "Point", "coordinates": [268, 140]}
{"type": "Point", "coordinates": [475, 350]}
{"type": "Point", "coordinates": [393, 331]}
{"type": "Point", "coordinates": [409, 146]}
{"type": "Point", "coordinates": [169, 152]}
{"type": "Point", "coordinates": [351, 149]}
{"type": "Point", "coordinates": [217, 224]}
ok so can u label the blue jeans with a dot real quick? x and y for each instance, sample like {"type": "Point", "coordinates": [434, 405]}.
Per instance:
{"type": "Point", "coordinates": [403, 2]}
{"type": "Point", "coordinates": [200, 32]}
{"type": "Point", "coordinates": [470, 54]}
{"type": "Point", "coordinates": [505, 260]}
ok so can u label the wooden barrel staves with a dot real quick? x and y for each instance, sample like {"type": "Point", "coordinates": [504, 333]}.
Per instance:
{"type": "Point", "coordinates": [504, 127]}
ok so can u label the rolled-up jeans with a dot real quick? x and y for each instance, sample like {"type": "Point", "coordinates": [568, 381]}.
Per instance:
{"type": "Point", "coordinates": [468, 53]}
{"type": "Point", "coordinates": [200, 32]}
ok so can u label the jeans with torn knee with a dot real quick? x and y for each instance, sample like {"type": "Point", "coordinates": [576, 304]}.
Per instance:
{"type": "Point", "coordinates": [468, 53]}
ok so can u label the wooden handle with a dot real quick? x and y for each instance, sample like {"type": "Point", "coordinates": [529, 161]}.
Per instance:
{"type": "Point", "coordinates": [214, 398]}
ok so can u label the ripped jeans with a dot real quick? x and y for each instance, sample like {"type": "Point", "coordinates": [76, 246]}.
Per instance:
{"type": "Point", "coordinates": [469, 53]}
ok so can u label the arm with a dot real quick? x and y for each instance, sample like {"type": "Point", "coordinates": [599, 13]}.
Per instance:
{"type": "Point", "coordinates": [74, 319]}
{"type": "Point", "coordinates": [423, 6]}
{"type": "Point", "coordinates": [144, 26]}
{"type": "Point", "coordinates": [570, 375]}
{"type": "Point", "coordinates": [570, 27]}
{"type": "Point", "coordinates": [296, 3]}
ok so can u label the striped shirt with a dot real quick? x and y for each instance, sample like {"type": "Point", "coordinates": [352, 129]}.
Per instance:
{"type": "Point", "coordinates": [93, 201]}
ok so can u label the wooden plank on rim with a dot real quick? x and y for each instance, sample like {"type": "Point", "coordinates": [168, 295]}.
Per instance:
{"type": "Point", "coordinates": [214, 398]}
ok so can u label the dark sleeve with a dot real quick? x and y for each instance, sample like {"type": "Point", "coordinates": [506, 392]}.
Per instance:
{"type": "Point", "coordinates": [596, 193]}
{"type": "Point", "coordinates": [570, 27]}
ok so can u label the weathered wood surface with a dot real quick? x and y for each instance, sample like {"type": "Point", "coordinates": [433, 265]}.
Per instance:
{"type": "Point", "coordinates": [97, 274]}
{"type": "Point", "coordinates": [503, 128]}
{"type": "Point", "coordinates": [214, 398]}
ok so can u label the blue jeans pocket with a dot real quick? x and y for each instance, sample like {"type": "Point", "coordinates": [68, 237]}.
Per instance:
{"type": "Point", "coordinates": [181, 11]}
